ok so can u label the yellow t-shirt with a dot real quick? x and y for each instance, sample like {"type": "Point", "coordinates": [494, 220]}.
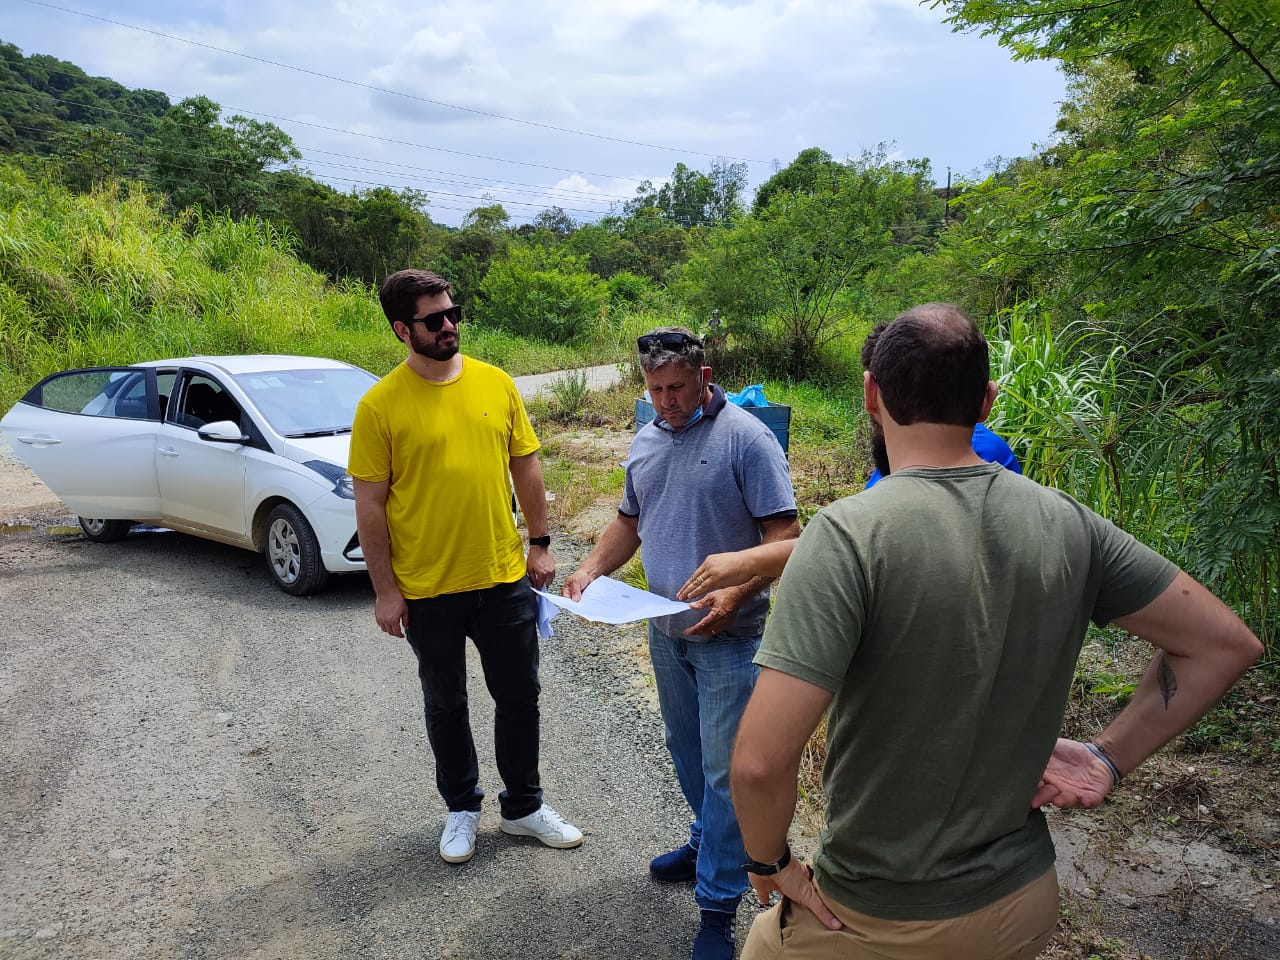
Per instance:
{"type": "Point", "coordinates": [446, 448]}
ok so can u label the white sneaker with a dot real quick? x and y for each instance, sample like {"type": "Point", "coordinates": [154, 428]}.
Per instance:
{"type": "Point", "coordinates": [458, 842]}
{"type": "Point", "coordinates": [547, 825]}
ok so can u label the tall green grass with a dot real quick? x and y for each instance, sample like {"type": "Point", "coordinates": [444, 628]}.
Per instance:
{"type": "Point", "coordinates": [1145, 449]}
{"type": "Point", "coordinates": [108, 278]}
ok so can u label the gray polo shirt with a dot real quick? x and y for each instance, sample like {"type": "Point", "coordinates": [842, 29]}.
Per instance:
{"type": "Point", "coordinates": [705, 490]}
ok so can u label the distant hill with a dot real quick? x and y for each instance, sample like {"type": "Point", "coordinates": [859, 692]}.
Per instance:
{"type": "Point", "coordinates": [44, 101]}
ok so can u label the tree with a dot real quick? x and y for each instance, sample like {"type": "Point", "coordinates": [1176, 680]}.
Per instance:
{"type": "Point", "coordinates": [800, 259]}
{"type": "Point", "coordinates": [47, 104]}
{"type": "Point", "coordinates": [692, 198]}
{"type": "Point", "coordinates": [199, 161]}
{"type": "Point", "coordinates": [810, 172]}
{"type": "Point", "coordinates": [555, 221]}
{"type": "Point", "coordinates": [466, 254]}
{"type": "Point", "coordinates": [1153, 222]}
{"type": "Point", "coordinates": [605, 247]}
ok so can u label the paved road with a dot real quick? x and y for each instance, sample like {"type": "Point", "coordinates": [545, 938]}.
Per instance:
{"type": "Point", "coordinates": [599, 377]}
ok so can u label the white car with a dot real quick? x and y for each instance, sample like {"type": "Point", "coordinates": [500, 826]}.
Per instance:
{"type": "Point", "coordinates": [246, 450]}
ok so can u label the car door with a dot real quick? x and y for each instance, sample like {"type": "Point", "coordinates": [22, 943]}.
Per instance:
{"type": "Point", "coordinates": [90, 436]}
{"type": "Point", "coordinates": [202, 482]}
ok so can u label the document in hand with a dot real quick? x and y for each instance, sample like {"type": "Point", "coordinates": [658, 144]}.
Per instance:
{"type": "Point", "coordinates": [611, 601]}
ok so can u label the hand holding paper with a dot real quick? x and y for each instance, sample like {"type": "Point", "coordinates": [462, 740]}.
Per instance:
{"type": "Point", "coordinates": [611, 601]}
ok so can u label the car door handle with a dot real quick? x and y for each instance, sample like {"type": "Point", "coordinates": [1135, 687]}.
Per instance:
{"type": "Point", "coordinates": [43, 441]}
{"type": "Point", "coordinates": [167, 451]}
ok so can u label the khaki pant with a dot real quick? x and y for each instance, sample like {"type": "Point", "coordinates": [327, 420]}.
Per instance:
{"type": "Point", "coordinates": [1017, 927]}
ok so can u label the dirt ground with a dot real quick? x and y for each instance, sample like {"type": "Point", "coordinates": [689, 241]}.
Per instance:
{"type": "Point", "coordinates": [1182, 863]}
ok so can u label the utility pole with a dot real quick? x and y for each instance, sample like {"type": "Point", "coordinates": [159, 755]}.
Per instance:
{"type": "Point", "coordinates": [946, 203]}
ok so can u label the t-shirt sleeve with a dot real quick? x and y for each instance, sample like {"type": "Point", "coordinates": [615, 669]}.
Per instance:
{"type": "Point", "coordinates": [990, 446]}
{"type": "Point", "coordinates": [523, 440]}
{"type": "Point", "coordinates": [1132, 573]}
{"type": "Point", "coordinates": [818, 615]}
{"type": "Point", "coordinates": [766, 479]}
{"type": "Point", "coordinates": [370, 456]}
{"type": "Point", "coordinates": [630, 505]}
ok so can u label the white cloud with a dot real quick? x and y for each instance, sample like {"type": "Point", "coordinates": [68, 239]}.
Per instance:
{"type": "Point", "coordinates": [757, 79]}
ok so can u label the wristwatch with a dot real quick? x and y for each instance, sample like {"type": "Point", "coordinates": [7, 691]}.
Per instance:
{"type": "Point", "coordinates": [542, 541]}
{"type": "Point", "coordinates": [768, 869]}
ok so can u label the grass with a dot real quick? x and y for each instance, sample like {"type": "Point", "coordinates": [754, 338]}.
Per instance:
{"type": "Point", "coordinates": [105, 279]}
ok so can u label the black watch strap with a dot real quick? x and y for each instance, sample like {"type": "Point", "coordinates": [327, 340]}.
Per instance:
{"type": "Point", "coordinates": [542, 541]}
{"type": "Point", "coordinates": [768, 869]}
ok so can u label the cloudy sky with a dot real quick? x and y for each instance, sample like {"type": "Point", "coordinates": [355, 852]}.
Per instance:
{"type": "Point", "coordinates": [572, 103]}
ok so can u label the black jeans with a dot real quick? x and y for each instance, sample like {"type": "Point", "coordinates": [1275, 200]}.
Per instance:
{"type": "Point", "coordinates": [502, 622]}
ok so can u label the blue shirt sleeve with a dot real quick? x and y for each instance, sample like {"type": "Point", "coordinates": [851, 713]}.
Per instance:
{"type": "Point", "coordinates": [992, 448]}
{"type": "Point", "coordinates": [986, 444]}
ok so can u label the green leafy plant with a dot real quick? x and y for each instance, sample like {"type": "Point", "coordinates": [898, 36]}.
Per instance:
{"type": "Point", "coordinates": [569, 394]}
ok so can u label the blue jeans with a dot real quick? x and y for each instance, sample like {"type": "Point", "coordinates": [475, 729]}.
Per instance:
{"type": "Point", "coordinates": [703, 687]}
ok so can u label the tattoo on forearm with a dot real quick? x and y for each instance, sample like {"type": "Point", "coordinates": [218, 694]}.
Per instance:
{"type": "Point", "coordinates": [1167, 680]}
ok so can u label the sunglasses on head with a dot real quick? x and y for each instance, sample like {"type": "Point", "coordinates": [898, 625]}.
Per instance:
{"type": "Point", "coordinates": [434, 321]}
{"type": "Point", "coordinates": [674, 342]}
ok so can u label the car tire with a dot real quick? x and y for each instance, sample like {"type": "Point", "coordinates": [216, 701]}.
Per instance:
{"type": "Point", "coordinates": [105, 531]}
{"type": "Point", "coordinates": [293, 552]}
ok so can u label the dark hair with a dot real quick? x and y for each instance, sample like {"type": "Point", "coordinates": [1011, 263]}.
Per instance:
{"type": "Point", "coordinates": [869, 345]}
{"type": "Point", "coordinates": [399, 293]}
{"type": "Point", "coordinates": [932, 365]}
{"type": "Point", "coordinates": [692, 356]}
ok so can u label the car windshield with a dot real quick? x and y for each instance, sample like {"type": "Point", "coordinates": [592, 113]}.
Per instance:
{"type": "Point", "coordinates": [309, 402]}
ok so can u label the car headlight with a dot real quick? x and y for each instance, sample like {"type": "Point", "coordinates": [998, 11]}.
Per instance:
{"type": "Point", "coordinates": [343, 485]}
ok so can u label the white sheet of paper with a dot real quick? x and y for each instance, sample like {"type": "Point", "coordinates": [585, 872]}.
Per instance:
{"type": "Point", "coordinates": [611, 601]}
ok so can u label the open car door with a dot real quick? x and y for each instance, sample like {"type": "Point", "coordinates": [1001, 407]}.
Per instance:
{"type": "Point", "coordinates": [90, 436]}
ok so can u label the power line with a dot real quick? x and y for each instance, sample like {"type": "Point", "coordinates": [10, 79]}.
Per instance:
{"type": "Point", "coordinates": [434, 204]}
{"type": "Point", "coordinates": [472, 186]}
{"type": "Point", "coordinates": [427, 146]}
{"type": "Point", "coordinates": [581, 194]}
{"type": "Point", "coordinates": [350, 133]}
{"type": "Point", "coordinates": [110, 110]}
{"type": "Point", "coordinates": [395, 93]}
{"type": "Point", "coordinates": [150, 180]}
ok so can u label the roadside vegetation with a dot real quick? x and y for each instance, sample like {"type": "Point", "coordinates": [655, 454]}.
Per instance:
{"type": "Point", "coordinates": [1127, 274]}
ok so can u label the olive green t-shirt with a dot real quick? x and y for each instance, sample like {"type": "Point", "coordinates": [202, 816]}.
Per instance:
{"type": "Point", "coordinates": [945, 610]}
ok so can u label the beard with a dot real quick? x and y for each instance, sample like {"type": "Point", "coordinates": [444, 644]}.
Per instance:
{"type": "Point", "coordinates": [429, 345]}
{"type": "Point", "coordinates": [879, 452]}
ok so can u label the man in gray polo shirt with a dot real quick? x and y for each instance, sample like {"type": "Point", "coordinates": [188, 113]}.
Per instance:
{"type": "Point", "coordinates": [703, 477]}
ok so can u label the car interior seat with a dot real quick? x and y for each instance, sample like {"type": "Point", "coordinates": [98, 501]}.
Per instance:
{"type": "Point", "coordinates": [202, 404]}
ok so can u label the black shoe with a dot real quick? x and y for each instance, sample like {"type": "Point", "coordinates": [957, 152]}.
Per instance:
{"type": "Point", "coordinates": [715, 936]}
{"type": "Point", "coordinates": [678, 866]}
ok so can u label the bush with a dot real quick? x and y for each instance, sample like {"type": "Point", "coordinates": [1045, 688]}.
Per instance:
{"type": "Point", "coordinates": [626, 287]}
{"type": "Point", "coordinates": [569, 394]}
{"type": "Point", "coordinates": [543, 293]}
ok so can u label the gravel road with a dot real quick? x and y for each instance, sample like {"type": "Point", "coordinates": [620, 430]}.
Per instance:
{"type": "Point", "coordinates": [196, 765]}
{"type": "Point", "coordinates": [199, 766]}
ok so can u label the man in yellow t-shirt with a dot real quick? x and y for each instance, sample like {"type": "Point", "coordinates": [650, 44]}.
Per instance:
{"type": "Point", "coordinates": [432, 447]}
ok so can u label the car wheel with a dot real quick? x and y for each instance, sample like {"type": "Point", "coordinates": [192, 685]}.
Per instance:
{"type": "Point", "coordinates": [293, 552]}
{"type": "Point", "coordinates": [105, 531]}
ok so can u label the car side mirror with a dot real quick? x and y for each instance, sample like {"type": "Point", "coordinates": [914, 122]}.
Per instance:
{"type": "Point", "coordinates": [222, 431]}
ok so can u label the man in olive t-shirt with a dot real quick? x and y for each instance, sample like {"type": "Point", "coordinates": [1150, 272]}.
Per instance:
{"type": "Point", "coordinates": [939, 617]}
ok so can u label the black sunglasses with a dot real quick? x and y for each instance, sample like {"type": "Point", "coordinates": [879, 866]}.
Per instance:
{"type": "Point", "coordinates": [674, 342]}
{"type": "Point", "coordinates": [434, 321]}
